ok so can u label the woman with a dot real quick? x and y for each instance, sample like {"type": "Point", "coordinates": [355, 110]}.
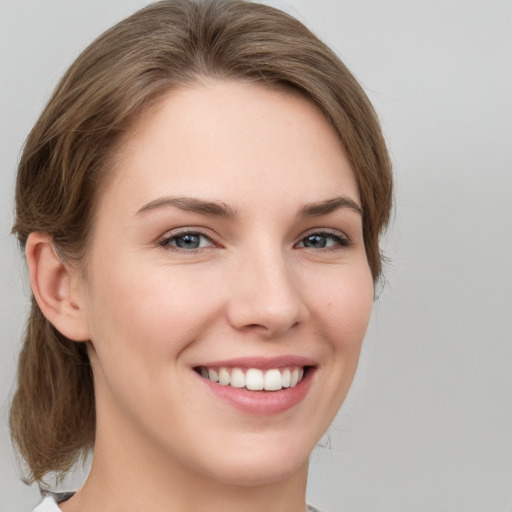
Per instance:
{"type": "Point", "coordinates": [200, 205]}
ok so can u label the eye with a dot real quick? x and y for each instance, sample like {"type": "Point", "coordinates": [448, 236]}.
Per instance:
{"type": "Point", "coordinates": [189, 240]}
{"type": "Point", "coordinates": [324, 240]}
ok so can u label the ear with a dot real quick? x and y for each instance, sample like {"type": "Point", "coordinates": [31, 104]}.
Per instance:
{"type": "Point", "coordinates": [54, 285]}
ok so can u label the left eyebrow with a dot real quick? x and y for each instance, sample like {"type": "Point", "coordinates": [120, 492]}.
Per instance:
{"type": "Point", "coordinates": [328, 206]}
{"type": "Point", "coordinates": [190, 204]}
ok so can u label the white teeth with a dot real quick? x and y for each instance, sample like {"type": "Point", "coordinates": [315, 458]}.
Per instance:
{"type": "Point", "coordinates": [254, 379]}
{"type": "Point", "coordinates": [237, 378]}
{"type": "Point", "coordinates": [273, 380]}
{"type": "Point", "coordinates": [294, 378]}
{"type": "Point", "coordinates": [286, 378]}
{"type": "Point", "coordinates": [224, 377]}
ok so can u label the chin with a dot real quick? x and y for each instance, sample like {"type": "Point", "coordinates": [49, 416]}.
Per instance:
{"type": "Point", "coordinates": [266, 463]}
{"type": "Point", "coordinates": [269, 472]}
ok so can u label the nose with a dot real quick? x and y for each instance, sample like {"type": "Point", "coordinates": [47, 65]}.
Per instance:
{"type": "Point", "coordinates": [266, 296]}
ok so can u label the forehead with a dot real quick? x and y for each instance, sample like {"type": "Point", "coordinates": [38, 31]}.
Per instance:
{"type": "Point", "coordinates": [232, 140]}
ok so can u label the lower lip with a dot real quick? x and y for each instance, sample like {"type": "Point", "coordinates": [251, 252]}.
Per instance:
{"type": "Point", "coordinates": [261, 402]}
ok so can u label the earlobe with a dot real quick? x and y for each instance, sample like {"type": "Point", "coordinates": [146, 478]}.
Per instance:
{"type": "Point", "coordinates": [52, 283]}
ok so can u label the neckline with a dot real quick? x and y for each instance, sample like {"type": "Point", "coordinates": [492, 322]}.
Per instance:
{"type": "Point", "coordinates": [61, 497]}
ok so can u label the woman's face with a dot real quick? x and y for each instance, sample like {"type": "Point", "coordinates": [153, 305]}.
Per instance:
{"type": "Point", "coordinates": [227, 245]}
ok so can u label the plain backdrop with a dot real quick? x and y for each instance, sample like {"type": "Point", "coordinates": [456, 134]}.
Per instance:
{"type": "Point", "coordinates": [427, 426]}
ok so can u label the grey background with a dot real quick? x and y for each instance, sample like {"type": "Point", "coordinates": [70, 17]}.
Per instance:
{"type": "Point", "coordinates": [427, 426]}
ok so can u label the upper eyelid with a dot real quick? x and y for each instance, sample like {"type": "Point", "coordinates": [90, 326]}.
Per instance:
{"type": "Point", "coordinates": [193, 230]}
{"type": "Point", "coordinates": [324, 231]}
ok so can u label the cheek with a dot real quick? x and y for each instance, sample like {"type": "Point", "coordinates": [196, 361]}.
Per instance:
{"type": "Point", "coordinates": [341, 308]}
{"type": "Point", "coordinates": [150, 315]}
{"type": "Point", "coordinates": [344, 304]}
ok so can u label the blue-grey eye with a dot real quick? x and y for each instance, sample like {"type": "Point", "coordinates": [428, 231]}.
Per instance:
{"type": "Point", "coordinates": [315, 241]}
{"type": "Point", "coordinates": [187, 241]}
{"type": "Point", "coordinates": [322, 241]}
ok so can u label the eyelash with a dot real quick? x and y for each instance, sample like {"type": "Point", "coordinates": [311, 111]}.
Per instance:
{"type": "Point", "coordinates": [340, 240]}
{"type": "Point", "coordinates": [167, 241]}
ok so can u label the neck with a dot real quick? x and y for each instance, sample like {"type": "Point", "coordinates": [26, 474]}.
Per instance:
{"type": "Point", "coordinates": [129, 474]}
{"type": "Point", "coordinates": [183, 492]}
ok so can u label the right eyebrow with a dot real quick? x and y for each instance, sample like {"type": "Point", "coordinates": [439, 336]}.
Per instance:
{"type": "Point", "coordinates": [190, 204]}
{"type": "Point", "coordinates": [330, 205]}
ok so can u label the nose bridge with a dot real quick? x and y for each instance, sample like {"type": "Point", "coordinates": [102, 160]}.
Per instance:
{"type": "Point", "coordinates": [266, 292]}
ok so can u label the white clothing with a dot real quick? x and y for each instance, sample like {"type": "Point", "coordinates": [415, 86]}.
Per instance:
{"type": "Point", "coordinates": [48, 505]}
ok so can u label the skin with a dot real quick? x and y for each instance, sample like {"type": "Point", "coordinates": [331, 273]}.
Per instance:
{"type": "Point", "coordinates": [153, 311]}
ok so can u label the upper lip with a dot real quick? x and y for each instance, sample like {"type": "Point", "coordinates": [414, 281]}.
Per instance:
{"type": "Point", "coordinates": [263, 363]}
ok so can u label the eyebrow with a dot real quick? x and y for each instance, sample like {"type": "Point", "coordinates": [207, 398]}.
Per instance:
{"type": "Point", "coordinates": [328, 206]}
{"type": "Point", "coordinates": [190, 204]}
{"type": "Point", "coordinates": [219, 209]}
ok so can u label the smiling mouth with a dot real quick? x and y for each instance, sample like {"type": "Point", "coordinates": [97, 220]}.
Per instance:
{"type": "Point", "coordinates": [254, 379]}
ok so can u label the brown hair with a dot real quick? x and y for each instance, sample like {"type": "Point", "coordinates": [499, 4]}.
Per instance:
{"type": "Point", "coordinates": [164, 46]}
